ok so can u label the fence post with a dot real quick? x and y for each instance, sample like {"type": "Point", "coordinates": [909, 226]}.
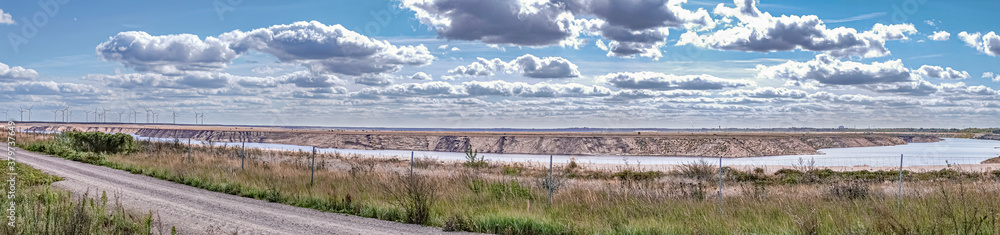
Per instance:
{"type": "Point", "coordinates": [720, 184]}
{"type": "Point", "coordinates": [899, 193]}
{"type": "Point", "coordinates": [549, 180]}
{"type": "Point", "coordinates": [243, 156]}
{"type": "Point", "coordinates": [312, 167]}
{"type": "Point", "coordinates": [189, 151]}
{"type": "Point", "coordinates": [411, 163]}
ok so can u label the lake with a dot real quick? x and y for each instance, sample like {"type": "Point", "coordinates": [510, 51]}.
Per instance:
{"type": "Point", "coordinates": [948, 151]}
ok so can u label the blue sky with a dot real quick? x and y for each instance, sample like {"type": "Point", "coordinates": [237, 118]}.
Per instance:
{"type": "Point", "coordinates": [560, 63]}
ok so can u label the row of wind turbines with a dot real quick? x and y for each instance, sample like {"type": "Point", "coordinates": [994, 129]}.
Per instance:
{"type": "Point", "coordinates": [101, 115]}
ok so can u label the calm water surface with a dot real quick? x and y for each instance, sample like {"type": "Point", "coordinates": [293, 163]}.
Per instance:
{"type": "Point", "coordinates": [949, 151]}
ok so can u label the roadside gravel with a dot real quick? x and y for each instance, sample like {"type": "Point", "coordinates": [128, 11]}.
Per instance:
{"type": "Point", "coordinates": [197, 211]}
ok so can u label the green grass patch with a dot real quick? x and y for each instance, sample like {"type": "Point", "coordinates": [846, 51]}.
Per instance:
{"type": "Point", "coordinates": [41, 209]}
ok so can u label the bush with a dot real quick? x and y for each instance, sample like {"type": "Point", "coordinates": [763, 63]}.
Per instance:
{"type": "Point", "coordinates": [757, 175]}
{"type": "Point", "coordinates": [511, 170]}
{"type": "Point", "coordinates": [700, 170]}
{"type": "Point", "coordinates": [472, 158]}
{"type": "Point", "coordinates": [850, 190]}
{"type": "Point", "coordinates": [630, 178]}
{"type": "Point", "coordinates": [415, 194]}
{"type": "Point", "coordinates": [455, 223]}
{"type": "Point", "coordinates": [98, 142]}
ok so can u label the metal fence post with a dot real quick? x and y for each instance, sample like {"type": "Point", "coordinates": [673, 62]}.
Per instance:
{"type": "Point", "coordinates": [312, 167]}
{"type": "Point", "coordinates": [411, 163]}
{"type": "Point", "coordinates": [899, 193]}
{"type": "Point", "coordinates": [720, 184]}
{"type": "Point", "coordinates": [549, 180]}
{"type": "Point", "coordinates": [243, 157]}
{"type": "Point", "coordinates": [189, 151]}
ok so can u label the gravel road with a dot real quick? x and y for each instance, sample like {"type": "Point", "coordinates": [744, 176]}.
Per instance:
{"type": "Point", "coordinates": [197, 211]}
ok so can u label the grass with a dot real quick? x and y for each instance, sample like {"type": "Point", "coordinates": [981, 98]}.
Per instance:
{"type": "Point", "coordinates": [42, 209]}
{"type": "Point", "coordinates": [508, 199]}
{"type": "Point", "coordinates": [995, 160]}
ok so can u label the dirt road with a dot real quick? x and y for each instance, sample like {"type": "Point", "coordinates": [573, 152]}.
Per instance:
{"type": "Point", "coordinates": [198, 211]}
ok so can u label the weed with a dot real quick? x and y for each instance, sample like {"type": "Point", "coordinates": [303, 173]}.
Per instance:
{"type": "Point", "coordinates": [424, 162]}
{"type": "Point", "coordinates": [455, 223]}
{"type": "Point", "coordinates": [511, 170]}
{"type": "Point", "coordinates": [414, 193]}
{"type": "Point", "coordinates": [850, 190]}
{"type": "Point", "coordinates": [572, 164]}
{"type": "Point", "coordinates": [694, 191]}
{"type": "Point", "coordinates": [699, 170]}
{"type": "Point", "coordinates": [472, 158]}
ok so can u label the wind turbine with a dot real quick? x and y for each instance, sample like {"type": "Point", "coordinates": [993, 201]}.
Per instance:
{"type": "Point", "coordinates": [68, 114]}
{"type": "Point", "coordinates": [55, 115]}
{"type": "Point", "coordinates": [154, 116]}
{"type": "Point", "coordinates": [135, 115]}
{"type": "Point", "coordinates": [97, 117]}
{"type": "Point", "coordinates": [86, 118]}
{"type": "Point", "coordinates": [104, 114]}
{"type": "Point", "coordinates": [120, 116]}
{"type": "Point", "coordinates": [29, 112]}
{"type": "Point", "coordinates": [202, 118]}
{"type": "Point", "coordinates": [6, 115]}
{"type": "Point", "coordinates": [195, 117]}
{"type": "Point", "coordinates": [174, 114]}
{"type": "Point", "coordinates": [147, 114]}
{"type": "Point", "coordinates": [64, 112]}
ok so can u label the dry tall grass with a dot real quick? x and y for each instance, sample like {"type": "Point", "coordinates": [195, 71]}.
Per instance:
{"type": "Point", "coordinates": [508, 198]}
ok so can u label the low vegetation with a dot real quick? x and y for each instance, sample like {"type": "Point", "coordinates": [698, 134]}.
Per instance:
{"type": "Point", "coordinates": [626, 199]}
{"type": "Point", "coordinates": [995, 160]}
{"type": "Point", "coordinates": [41, 209]}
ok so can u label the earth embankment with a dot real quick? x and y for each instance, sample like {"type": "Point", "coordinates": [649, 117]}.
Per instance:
{"type": "Point", "coordinates": [729, 145]}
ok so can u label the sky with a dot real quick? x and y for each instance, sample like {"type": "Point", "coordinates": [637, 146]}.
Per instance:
{"type": "Point", "coordinates": [504, 63]}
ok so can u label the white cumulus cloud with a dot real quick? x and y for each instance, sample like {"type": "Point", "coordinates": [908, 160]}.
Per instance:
{"type": "Point", "coordinates": [6, 18]}
{"type": "Point", "coordinates": [761, 32]}
{"type": "Point", "coordinates": [526, 65]}
{"type": "Point", "coordinates": [168, 54]}
{"type": "Point", "coordinates": [662, 82]}
{"type": "Point", "coordinates": [831, 71]}
{"type": "Point", "coordinates": [942, 73]}
{"type": "Point", "coordinates": [16, 73]}
{"type": "Point", "coordinates": [988, 43]}
{"type": "Point", "coordinates": [940, 36]}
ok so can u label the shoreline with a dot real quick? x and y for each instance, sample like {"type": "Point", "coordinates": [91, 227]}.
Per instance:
{"type": "Point", "coordinates": [709, 144]}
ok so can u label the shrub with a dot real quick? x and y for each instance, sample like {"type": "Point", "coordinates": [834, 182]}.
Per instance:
{"type": "Point", "coordinates": [553, 182]}
{"type": "Point", "coordinates": [511, 170]}
{"type": "Point", "coordinates": [98, 142]}
{"type": "Point", "coordinates": [757, 175]}
{"type": "Point", "coordinates": [572, 164]}
{"type": "Point", "coordinates": [700, 170]}
{"type": "Point", "coordinates": [511, 189]}
{"type": "Point", "coordinates": [630, 178]}
{"type": "Point", "coordinates": [693, 190]}
{"type": "Point", "coordinates": [472, 158]}
{"type": "Point", "coordinates": [415, 196]}
{"type": "Point", "coordinates": [455, 223]}
{"type": "Point", "coordinates": [850, 190]}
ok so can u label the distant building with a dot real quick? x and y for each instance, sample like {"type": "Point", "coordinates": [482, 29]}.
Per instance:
{"type": "Point", "coordinates": [841, 127]}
